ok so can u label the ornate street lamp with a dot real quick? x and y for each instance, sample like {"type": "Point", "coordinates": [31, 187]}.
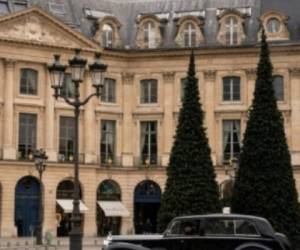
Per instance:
{"type": "Point", "coordinates": [77, 66]}
{"type": "Point", "coordinates": [40, 159]}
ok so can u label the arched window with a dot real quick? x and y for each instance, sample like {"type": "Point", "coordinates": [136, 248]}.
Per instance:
{"type": "Point", "coordinates": [189, 35]}
{"type": "Point", "coordinates": [278, 85]}
{"type": "Point", "coordinates": [109, 191]}
{"type": "Point", "coordinates": [273, 25]}
{"type": "Point", "coordinates": [107, 35]}
{"type": "Point", "coordinates": [231, 27]}
{"type": "Point", "coordinates": [28, 82]}
{"type": "Point", "coordinates": [149, 34]}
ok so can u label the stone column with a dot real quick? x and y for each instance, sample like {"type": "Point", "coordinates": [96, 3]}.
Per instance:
{"type": "Point", "coordinates": [89, 124]}
{"type": "Point", "coordinates": [251, 77]}
{"type": "Point", "coordinates": [7, 219]}
{"type": "Point", "coordinates": [168, 126]}
{"type": "Point", "coordinates": [295, 118]}
{"type": "Point", "coordinates": [9, 149]}
{"type": "Point", "coordinates": [127, 150]}
{"type": "Point", "coordinates": [49, 127]}
{"type": "Point", "coordinates": [210, 78]}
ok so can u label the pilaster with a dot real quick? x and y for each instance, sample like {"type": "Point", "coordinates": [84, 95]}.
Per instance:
{"type": "Point", "coordinates": [210, 78]}
{"type": "Point", "coordinates": [168, 126]}
{"type": "Point", "coordinates": [9, 150]}
{"type": "Point", "coordinates": [127, 151]}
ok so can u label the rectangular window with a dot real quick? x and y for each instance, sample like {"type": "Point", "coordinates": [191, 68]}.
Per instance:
{"type": "Point", "coordinates": [278, 85]}
{"type": "Point", "coordinates": [149, 91]}
{"type": "Point", "coordinates": [148, 142]}
{"type": "Point", "coordinates": [109, 91]}
{"type": "Point", "coordinates": [231, 88]}
{"type": "Point", "coordinates": [66, 139]}
{"type": "Point", "coordinates": [4, 7]}
{"type": "Point", "coordinates": [68, 88]}
{"type": "Point", "coordinates": [28, 82]}
{"type": "Point", "coordinates": [231, 139]}
{"type": "Point", "coordinates": [27, 135]}
{"type": "Point", "coordinates": [108, 141]}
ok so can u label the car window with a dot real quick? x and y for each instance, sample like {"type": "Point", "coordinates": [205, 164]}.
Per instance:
{"type": "Point", "coordinates": [229, 227]}
{"type": "Point", "coordinates": [184, 227]}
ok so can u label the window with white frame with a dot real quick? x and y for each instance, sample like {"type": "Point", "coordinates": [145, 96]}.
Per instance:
{"type": "Point", "coordinates": [149, 91]}
{"type": "Point", "coordinates": [148, 143]}
{"type": "Point", "coordinates": [273, 25]}
{"type": "Point", "coordinates": [231, 30]}
{"type": "Point", "coordinates": [231, 139]}
{"type": "Point", "coordinates": [68, 87]}
{"type": "Point", "coordinates": [189, 32]}
{"type": "Point", "coordinates": [107, 35]}
{"type": "Point", "coordinates": [29, 82]}
{"type": "Point", "coordinates": [278, 85]}
{"type": "Point", "coordinates": [149, 34]}
{"type": "Point", "coordinates": [27, 135]}
{"type": "Point", "coordinates": [231, 88]}
{"type": "Point", "coordinates": [109, 90]}
{"type": "Point", "coordinates": [108, 141]}
{"type": "Point", "coordinates": [66, 138]}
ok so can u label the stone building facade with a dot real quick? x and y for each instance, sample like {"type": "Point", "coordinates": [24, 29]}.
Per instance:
{"type": "Point", "coordinates": [126, 137]}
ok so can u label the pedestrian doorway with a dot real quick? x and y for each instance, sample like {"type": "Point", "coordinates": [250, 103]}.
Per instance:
{"type": "Point", "coordinates": [27, 195]}
{"type": "Point", "coordinates": [64, 207]}
{"type": "Point", "coordinates": [147, 197]}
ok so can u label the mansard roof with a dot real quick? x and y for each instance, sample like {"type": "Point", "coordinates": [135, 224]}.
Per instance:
{"type": "Point", "coordinates": [83, 14]}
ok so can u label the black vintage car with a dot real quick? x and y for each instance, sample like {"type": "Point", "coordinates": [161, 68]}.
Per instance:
{"type": "Point", "coordinates": [206, 232]}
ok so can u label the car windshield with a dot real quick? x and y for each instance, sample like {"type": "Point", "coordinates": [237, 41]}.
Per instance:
{"type": "Point", "coordinates": [229, 227]}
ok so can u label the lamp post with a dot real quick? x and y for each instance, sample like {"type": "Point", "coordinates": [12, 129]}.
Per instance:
{"type": "Point", "coordinates": [231, 167]}
{"type": "Point", "coordinates": [77, 67]}
{"type": "Point", "coordinates": [40, 158]}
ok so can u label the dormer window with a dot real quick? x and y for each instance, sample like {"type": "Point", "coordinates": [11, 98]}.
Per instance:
{"type": "Point", "coordinates": [231, 26]}
{"type": "Point", "coordinates": [107, 35]}
{"type": "Point", "coordinates": [273, 25]}
{"type": "Point", "coordinates": [189, 35]}
{"type": "Point", "coordinates": [108, 32]}
{"type": "Point", "coordinates": [149, 34]}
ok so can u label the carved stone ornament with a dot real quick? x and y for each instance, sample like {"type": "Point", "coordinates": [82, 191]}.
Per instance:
{"type": "Point", "coordinates": [295, 72]}
{"type": "Point", "coordinates": [35, 28]}
{"type": "Point", "coordinates": [210, 75]}
{"type": "Point", "coordinates": [168, 76]}
{"type": "Point", "coordinates": [128, 78]}
{"type": "Point", "coordinates": [251, 74]}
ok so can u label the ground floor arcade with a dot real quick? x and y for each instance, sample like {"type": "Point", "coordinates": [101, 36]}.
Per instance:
{"type": "Point", "coordinates": [116, 200]}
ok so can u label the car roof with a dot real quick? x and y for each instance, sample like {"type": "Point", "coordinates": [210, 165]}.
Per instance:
{"type": "Point", "coordinates": [223, 216]}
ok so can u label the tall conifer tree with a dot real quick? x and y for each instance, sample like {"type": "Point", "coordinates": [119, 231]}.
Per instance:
{"type": "Point", "coordinates": [191, 187]}
{"type": "Point", "coordinates": [265, 185]}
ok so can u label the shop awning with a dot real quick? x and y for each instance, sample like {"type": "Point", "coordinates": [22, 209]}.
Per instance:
{"type": "Point", "coordinates": [67, 206]}
{"type": "Point", "coordinates": [113, 208]}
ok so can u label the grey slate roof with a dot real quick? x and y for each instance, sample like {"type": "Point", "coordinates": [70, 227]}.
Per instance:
{"type": "Point", "coordinates": [126, 11]}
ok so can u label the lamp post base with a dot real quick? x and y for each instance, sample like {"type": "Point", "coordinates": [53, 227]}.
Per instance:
{"type": "Point", "coordinates": [39, 235]}
{"type": "Point", "coordinates": [75, 239]}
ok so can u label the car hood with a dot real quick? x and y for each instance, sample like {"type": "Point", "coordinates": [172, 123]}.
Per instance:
{"type": "Point", "coordinates": [137, 237]}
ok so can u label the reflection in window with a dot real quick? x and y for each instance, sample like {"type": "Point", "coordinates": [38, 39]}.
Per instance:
{"type": "Point", "coordinates": [149, 91]}
{"type": "Point", "coordinates": [109, 90]}
{"type": "Point", "coordinates": [68, 88]}
{"type": "Point", "coordinates": [231, 29]}
{"type": "Point", "coordinates": [27, 136]}
{"type": "Point", "coordinates": [231, 139]}
{"type": "Point", "coordinates": [107, 35]}
{"type": "Point", "coordinates": [231, 88]}
{"type": "Point", "coordinates": [28, 82]}
{"type": "Point", "coordinates": [148, 142]}
{"type": "Point", "coordinates": [66, 139]}
{"type": "Point", "coordinates": [278, 85]}
{"type": "Point", "coordinates": [149, 34]}
{"type": "Point", "coordinates": [189, 35]}
{"type": "Point", "coordinates": [273, 25]}
{"type": "Point", "coordinates": [108, 138]}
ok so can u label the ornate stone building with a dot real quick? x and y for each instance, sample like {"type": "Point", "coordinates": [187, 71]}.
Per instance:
{"type": "Point", "coordinates": [126, 137]}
